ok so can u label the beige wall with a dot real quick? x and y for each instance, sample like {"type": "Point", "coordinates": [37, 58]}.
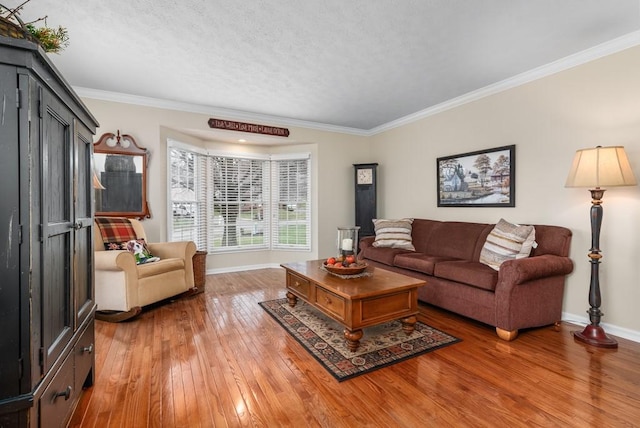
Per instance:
{"type": "Point", "coordinates": [548, 120]}
{"type": "Point", "coordinates": [332, 173]}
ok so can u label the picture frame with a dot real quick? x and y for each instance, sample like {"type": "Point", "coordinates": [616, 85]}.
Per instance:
{"type": "Point", "coordinates": [484, 178]}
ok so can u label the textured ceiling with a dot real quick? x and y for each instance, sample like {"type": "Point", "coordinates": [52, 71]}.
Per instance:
{"type": "Point", "coordinates": [356, 64]}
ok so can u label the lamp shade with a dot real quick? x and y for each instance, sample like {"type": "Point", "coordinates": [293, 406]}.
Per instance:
{"type": "Point", "coordinates": [96, 182]}
{"type": "Point", "coordinates": [601, 167]}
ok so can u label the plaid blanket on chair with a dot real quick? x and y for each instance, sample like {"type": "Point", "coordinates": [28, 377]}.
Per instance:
{"type": "Point", "coordinates": [115, 229]}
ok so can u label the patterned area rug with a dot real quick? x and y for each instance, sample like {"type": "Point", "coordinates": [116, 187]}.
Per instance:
{"type": "Point", "coordinates": [380, 345]}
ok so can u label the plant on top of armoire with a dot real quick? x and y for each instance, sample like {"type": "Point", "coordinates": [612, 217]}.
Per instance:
{"type": "Point", "coordinates": [52, 40]}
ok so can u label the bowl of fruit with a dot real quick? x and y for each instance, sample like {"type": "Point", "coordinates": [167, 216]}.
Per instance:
{"type": "Point", "coordinates": [344, 265]}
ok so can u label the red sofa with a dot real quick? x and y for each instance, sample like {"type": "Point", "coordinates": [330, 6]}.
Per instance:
{"type": "Point", "coordinates": [523, 293]}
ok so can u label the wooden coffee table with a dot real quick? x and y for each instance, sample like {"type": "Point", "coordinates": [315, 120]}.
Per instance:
{"type": "Point", "coordinates": [355, 302]}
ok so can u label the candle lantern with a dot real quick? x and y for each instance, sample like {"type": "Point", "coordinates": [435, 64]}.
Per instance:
{"type": "Point", "coordinates": [348, 240]}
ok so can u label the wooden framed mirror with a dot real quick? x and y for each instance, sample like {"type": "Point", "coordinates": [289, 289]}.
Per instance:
{"type": "Point", "coordinates": [120, 166]}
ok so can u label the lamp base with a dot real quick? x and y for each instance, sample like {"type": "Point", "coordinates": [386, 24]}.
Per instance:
{"type": "Point", "coordinates": [595, 336]}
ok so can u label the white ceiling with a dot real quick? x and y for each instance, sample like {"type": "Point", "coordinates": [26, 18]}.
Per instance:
{"type": "Point", "coordinates": [352, 64]}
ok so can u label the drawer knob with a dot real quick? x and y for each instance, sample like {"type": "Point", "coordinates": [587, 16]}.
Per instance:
{"type": "Point", "coordinates": [66, 394]}
{"type": "Point", "coordinates": [296, 284]}
{"type": "Point", "coordinates": [327, 300]}
{"type": "Point", "coordinates": [87, 349]}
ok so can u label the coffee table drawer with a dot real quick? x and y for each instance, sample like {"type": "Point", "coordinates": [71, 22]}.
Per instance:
{"type": "Point", "coordinates": [298, 285]}
{"type": "Point", "coordinates": [331, 302]}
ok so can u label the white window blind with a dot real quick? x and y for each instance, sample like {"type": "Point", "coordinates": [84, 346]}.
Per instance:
{"type": "Point", "coordinates": [240, 194]}
{"type": "Point", "coordinates": [290, 204]}
{"type": "Point", "coordinates": [227, 202]}
{"type": "Point", "coordinates": [188, 188]}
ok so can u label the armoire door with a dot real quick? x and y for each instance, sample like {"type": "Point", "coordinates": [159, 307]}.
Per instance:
{"type": "Point", "coordinates": [83, 222]}
{"type": "Point", "coordinates": [9, 238]}
{"type": "Point", "coordinates": [58, 227]}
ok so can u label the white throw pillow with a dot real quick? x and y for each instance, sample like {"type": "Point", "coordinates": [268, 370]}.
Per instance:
{"type": "Point", "coordinates": [507, 241]}
{"type": "Point", "coordinates": [393, 233]}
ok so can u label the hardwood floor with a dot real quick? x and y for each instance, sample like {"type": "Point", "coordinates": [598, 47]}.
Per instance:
{"type": "Point", "coordinates": [217, 359]}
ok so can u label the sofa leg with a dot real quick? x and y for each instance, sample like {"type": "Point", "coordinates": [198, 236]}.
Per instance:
{"type": "Point", "coordinates": [506, 335]}
{"type": "Point", "coordinates": [117, 316]}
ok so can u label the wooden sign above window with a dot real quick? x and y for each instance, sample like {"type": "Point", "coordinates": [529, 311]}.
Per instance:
{"type": "Point", "coordinates": [248, 127]}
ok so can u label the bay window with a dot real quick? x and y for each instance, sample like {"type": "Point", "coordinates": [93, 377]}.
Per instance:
{"type": "Point", "coordinates": [228, 202]}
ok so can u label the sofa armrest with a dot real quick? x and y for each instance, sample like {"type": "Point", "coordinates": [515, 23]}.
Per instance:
{"type": "Point", "coordinates": [173, 250]}
{"type": "Point", "coordinates": [184, 250]}
{"type": "Point", "coordinates": [365, 243]}
{"type": "Point", "coordinates": [530, 291]}
{"type": "Point", "coordinates": [522, 270]}
{"type": "Point", "coordinates": [115, 260]}
{"type": "Point", "coordinates": [116, 280]}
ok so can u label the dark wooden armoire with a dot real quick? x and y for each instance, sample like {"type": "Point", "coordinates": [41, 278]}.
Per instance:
{"type": "Point", "coordinates": [46, 253]}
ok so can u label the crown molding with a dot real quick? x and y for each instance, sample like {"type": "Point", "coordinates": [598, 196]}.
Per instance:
{"type": "Point", "coordinates": [230, 114]}
{"type": "Point", "coordinates": [617, 45]}
{"type": "Point", "coordinates": [625, 42]}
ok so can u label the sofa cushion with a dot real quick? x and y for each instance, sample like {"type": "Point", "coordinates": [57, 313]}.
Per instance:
{"type": "Point", "coordinates": [382, 255]}
{"type": "Point", "coordinates": [115, 229]}
{"type": "Point", "coordinates": [472, 273]}
{"type": "Point", "coordinates": [421, 233]}
{"type": "Point", "coordinates": [393, 233]}
{"type": "Point", "coordinates": [456, 240]}
{"type": "Point", "coordinates": [418, 262]}
{"type": "Point", "coordinates": [506, 242]}
{"type": "Point", "coordinates": [554, 240]}
{"type": "Point", "coordinates": [162, 266]}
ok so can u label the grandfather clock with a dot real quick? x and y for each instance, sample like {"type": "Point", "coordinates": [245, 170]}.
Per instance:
{"type": "Point", "coordinates": [366, 205]}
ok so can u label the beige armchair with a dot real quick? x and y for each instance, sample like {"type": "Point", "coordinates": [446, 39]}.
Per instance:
{"type": "Point", "coordinates": [122, 287]}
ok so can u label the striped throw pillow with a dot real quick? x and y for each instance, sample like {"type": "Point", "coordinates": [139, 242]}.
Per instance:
{"type": "Point", "coordinates": [393, 233]}
{"type": "Point", "coordinates": [507, 241]}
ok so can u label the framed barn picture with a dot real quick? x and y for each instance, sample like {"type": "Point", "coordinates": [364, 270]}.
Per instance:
{"type": "Point", "coordinates": [486, 178]}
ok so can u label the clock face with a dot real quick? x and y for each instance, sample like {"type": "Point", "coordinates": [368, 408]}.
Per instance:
{"type": "Point", "coordinates": [365, 176]}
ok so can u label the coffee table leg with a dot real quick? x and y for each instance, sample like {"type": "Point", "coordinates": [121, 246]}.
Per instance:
{"type": "Point", "coordinates": [353, 339]}
{"type": "Point", "coordinates": [408, 325]}
{"type": "Point", "coordinates": [292, 298]}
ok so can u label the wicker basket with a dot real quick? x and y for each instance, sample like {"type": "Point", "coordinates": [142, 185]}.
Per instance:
{"type": "Point", "coordinates": [9, 28]}
{"type": "Point", "coordinates": [200, 269]}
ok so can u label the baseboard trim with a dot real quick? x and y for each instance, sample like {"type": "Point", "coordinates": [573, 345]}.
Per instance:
{"type": "Point", "coordinates": [611, 329]}
{"type": "Point", "coordinates": [241, 268]}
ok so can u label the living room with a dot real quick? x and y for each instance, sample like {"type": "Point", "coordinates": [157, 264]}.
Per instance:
{"type": "Point", "coordinates": [548, 119]}
{"type": "Point", "coordinates": [589, 98]}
